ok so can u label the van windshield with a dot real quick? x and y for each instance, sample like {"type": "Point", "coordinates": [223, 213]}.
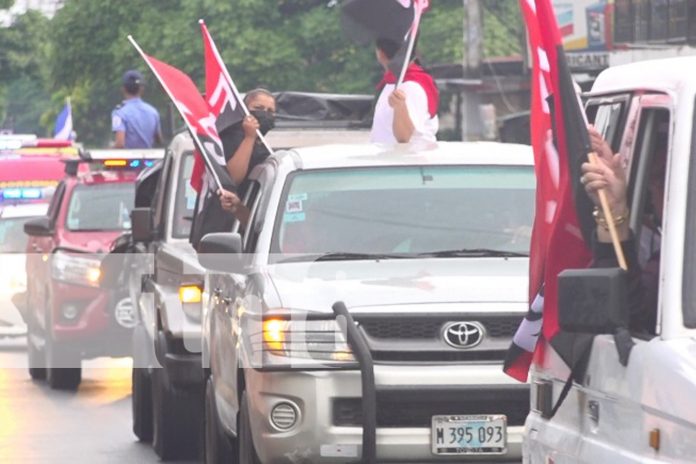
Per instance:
{"type": "Point", "coordinates": [101, 207]}
{"type": "Point", "coordinates": [444, 211]}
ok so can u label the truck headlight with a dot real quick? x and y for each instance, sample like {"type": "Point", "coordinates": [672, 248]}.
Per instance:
{"type": "Point", "coordinates": [305, 342]}
{"type": "Point", "coordinates": [75, 268]}
{"type": "Point", "coordinates": [190, 297]}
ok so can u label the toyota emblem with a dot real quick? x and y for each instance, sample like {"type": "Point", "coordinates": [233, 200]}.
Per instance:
{"type": "Point", "coordinates": [463, 335]}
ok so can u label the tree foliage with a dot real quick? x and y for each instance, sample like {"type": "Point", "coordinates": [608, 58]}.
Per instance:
{"type": "Point", "coordinates": [281, 44]}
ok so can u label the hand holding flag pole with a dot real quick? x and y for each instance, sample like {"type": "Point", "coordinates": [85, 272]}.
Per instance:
{"type": "Point", "coordinates": [226, 73]}
{"type": "Point", "coordinates": [608, 215]}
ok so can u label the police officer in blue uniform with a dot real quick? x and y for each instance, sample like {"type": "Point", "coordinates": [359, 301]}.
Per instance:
{"type": "Point", "coordinates": [135, 123]}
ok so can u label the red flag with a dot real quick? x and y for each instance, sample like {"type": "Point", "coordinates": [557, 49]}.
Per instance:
{"type": "Point", "coordinates": [195, 113]}
{"type": "Point", "coordinates": [557, 239]}
{"type": "Point", "coordinates": [222, 98]}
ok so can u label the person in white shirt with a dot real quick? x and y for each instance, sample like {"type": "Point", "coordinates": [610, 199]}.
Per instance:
{"type": "Point", "coordinates": [409, 113]}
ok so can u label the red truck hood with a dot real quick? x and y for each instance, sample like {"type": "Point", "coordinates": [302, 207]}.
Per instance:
{"type": "Point", "coordinates": [88, 242]}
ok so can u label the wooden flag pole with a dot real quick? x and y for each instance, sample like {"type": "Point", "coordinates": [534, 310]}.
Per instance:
{"type": "Point", "coordinates": [604, 202]}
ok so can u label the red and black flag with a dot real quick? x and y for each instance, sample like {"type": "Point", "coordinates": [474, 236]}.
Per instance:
{"type": "Point", "coordinates": [221, 95]}
{"type": "Point", "coordinates": [196, 115]}
{"type": "Point", "coordinates": [563, 223]}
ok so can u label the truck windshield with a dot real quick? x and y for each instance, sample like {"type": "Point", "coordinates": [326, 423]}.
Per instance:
{"type": "Point", "coordinates": [442, 211]}
{"type": "Point", "coordinates": [101, 207]}
{"type": "Point", "coordinates": [12, 236]}
{"type": "Point", "coordinates": [185, 199]}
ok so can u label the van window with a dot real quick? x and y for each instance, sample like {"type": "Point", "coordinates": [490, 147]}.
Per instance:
{"type": "Point", "coordinates": [608, 115]}
{"type": "Point", "coordinates": [647, 190]}
{"type": "Point", "coordinates": [185, 201]}
{"type": "Point", "coordinates": [689, 279]}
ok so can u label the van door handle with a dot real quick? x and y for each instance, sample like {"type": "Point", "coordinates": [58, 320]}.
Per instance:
{"type": "Point", "coordinates": [593, 410]}
{"type": "Point", "coordinates": [217, 292]}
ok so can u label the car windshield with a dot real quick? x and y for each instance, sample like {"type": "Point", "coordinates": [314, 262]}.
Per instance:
{"type": "Point", "coordinates": [101, 207]}
{"type": "Point", "coordinates": [185, 199]}
{"type": "Point", "coordinates": [12, 236]}
{"type": "Point", "coordinates": [430, 211]}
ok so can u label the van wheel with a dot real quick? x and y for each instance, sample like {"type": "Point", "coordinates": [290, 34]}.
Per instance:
{"type": "Point", "coordinates": [247, 452]}
{"type": "Point", "coordinates": [142, 404]}
{"type": "Point", "coordinates": [219, 448]}
{"type": "Point", "coordinates": [175, 417]}
{"type": "Point", "coordinates": [58, 376]}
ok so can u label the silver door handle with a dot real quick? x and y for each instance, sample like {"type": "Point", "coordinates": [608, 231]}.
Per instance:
{"type": "Point", "coordinates": [217, 292]}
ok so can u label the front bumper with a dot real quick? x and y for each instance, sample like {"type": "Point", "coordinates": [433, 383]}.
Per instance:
{"type": "Point", "coordinates": [326, 433]}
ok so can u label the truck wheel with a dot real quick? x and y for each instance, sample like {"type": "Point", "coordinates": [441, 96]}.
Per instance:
{"type": "Point", "coordinates": [176, 414]}
{"type": "Point", "coordinates": [141, 391]}
{"type": "Point", "coordinates": [218, 447]}
{"type": "Point", "coordinates": [58, 376]}
{"type": "Point", "coordinates": [247, 452]}
{"type": "Point", "coordinates": [37, 358]}
{"type": "Point", "coordinates": [141, 400]}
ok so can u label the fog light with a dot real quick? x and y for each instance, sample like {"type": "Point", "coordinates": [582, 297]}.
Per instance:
{"type": "Point", "coordinates": [284, 416]}
{"type": "Point", "coordinates": [70, 312]}
{"type": "Point", "coordinates": [125, 313]}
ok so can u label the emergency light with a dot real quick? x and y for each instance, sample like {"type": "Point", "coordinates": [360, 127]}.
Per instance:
{"type": "Point", "coordinates": [22, 194]}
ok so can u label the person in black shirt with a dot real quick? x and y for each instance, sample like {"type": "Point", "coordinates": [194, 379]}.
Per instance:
{"type": "Point", "coordinates": [243, 148]}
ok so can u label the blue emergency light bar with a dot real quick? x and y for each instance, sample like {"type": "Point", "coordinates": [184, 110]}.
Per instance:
{"type": "Point", "coordinates": [22, 194]}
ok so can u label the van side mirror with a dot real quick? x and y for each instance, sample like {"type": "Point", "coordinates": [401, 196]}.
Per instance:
{"type": "Point", "coordinates": [39, 227]}
{"type": "Point", "coordinates": [592, 301]}
{"type": "Point", "coordinates": [141, 224]}
{"type": "Point", "coordinates": [221, 252]}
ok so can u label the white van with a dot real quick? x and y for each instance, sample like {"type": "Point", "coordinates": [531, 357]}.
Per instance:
{"type": "Point", "coordinates": [642, 410]}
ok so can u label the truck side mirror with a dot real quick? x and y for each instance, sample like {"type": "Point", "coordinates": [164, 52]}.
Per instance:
{"type": "Point", "coordinates": [221, 252]}
{"type": "Point", "coordinates": [141, 224]}
{"type": "Point", "coordinates": [592, 300]}
{"type": "Point", "coordinates": [39, 227]}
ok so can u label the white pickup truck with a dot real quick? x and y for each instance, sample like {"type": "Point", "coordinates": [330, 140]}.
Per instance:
{"type": "Point", "coordinates": [644, 408]}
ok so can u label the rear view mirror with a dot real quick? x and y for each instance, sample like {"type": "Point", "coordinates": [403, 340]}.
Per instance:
{"type": "Point", "coordinates": [221, 252]}
{"type": "Point", "coordinates": [39, 227]}
{"type": "Point", "coordinates": [592, 300]}
{"type": "Point", "coordinates": [141, 224]}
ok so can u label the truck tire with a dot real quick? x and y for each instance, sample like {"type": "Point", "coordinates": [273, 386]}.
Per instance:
{"type": "Point", "coordinates": [247, 452]}
{"type": "Point", "coordinates": [141, 401]}
{"type": "Point", "coordinates": [141, 390]}
{"type": "Point", "coordinates": [58, 376]}
{"type": "Point", "coordinates": [175, 417]}
{"type": "Point", "coordinates": [36, 357]}
{"type": "Point", "coordinates": [218, 447]}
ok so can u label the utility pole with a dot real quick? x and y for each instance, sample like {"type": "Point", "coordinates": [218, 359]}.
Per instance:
{"type": "Point", "coordinates": [472, 128]}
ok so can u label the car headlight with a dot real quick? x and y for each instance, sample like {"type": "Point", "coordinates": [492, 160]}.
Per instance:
{"type": "Point", "coordinates": [304, 343]}
{"type": "Point", "coordinates": [76, 269]}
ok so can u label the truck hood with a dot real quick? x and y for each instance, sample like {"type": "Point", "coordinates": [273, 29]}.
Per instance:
{"type": "Point", "coordinates": [316, 287]}
{"type": "Point", "coordinates": [88, 242]}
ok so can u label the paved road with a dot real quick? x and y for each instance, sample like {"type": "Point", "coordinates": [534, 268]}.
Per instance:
{"type": "Point", "coordinates": [92, 425]}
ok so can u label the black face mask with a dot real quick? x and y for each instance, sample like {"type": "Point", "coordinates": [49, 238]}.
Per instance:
{"type": "Point", "coordinates": [265, 118]}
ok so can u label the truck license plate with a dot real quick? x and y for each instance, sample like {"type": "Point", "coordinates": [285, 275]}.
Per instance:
{"type": "Point", "coordinates": [469, 434]}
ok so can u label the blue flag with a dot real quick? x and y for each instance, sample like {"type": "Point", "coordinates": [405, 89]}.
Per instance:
{"type": "Point", "coordinates": [64, 124]}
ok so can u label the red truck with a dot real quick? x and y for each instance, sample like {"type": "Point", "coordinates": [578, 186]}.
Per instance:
{"type": "Point", "coordinates": [69, 317]}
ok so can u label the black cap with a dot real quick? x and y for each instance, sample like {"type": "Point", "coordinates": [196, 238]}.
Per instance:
{"type": "Point", "coordinates": [132, 78]}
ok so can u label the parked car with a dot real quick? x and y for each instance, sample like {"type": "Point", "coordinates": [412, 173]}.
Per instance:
{"type": "Point", "coordinates": [635, 399]}
{"type": "Point", "coordinates": [69, 316]}
{"type": "Point", "coordinates": [427, 249]}
{"type": "Point", "coordinates": [13, 252]}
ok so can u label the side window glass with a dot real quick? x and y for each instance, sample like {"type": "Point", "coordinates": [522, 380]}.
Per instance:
{"type": "Point", "coordinates": [647, 194]}
{"type": "Point", "coordinates": [609, 119]}
{"type": "Point", "coordinates": [251, 202]}
{"type": "Point", "coordinates": [54, 207]}
{"type": "Point", "coordinates": [161, 194]}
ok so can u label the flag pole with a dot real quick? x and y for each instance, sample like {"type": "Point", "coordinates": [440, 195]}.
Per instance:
{"type": "Point", "coordinates": [411, 43]}
{"type": "Point", "coordinates": [226, 73]}
{"type": "Point", "coordinates": [194, 135]}
{"type": "Point", "coordinates": [608, 216]}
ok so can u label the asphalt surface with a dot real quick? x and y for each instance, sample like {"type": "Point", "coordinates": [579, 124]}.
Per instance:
{"type": "Point", "coordinates": [93, 425]}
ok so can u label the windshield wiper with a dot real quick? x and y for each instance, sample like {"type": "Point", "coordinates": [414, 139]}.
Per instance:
{"type": "Point", "coordinates": [341, 256]}
{"type": "Point", "coordinates": [474, 253]}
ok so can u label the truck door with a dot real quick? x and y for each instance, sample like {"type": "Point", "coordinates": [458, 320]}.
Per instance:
{"type": "Point", "coordinates": [612, 399]}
